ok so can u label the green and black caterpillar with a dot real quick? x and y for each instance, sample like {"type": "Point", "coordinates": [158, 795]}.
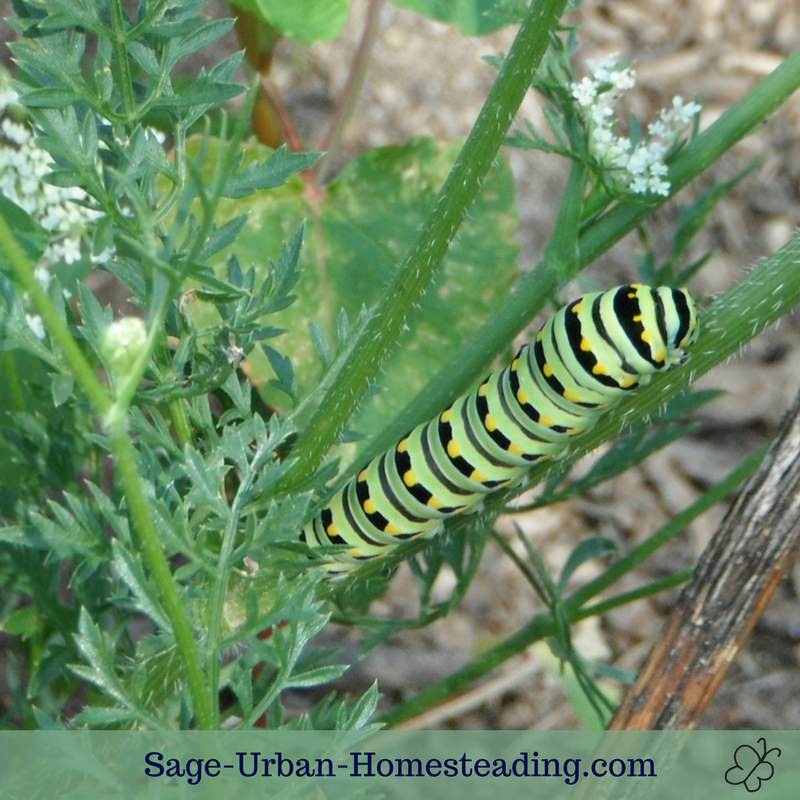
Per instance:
{"type": "Point", "coordinates": [582, 361]}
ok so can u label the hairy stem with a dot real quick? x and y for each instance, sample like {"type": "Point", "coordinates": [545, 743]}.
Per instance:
{"type": "Point", "coordinates": [420, 265]}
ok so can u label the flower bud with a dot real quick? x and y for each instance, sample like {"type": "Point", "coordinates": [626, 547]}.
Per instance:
{"type": "Point", "coordinates": [123, 343]}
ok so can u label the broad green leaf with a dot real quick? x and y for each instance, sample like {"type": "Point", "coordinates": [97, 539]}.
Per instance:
{"type": "Point", "coordinates": [309, 20]}
{"type": "Point", "coordinates": [356, 236]}
{"type": "Point", "coordinates": [473, 17]}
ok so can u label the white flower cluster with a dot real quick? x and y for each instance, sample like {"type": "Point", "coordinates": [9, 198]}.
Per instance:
{"type": "Point", "coordinates": [638, 168]}
{"type": "Point", "coordinates": [23, 166]}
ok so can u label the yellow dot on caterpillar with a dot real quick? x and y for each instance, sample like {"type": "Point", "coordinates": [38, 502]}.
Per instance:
{"type": "Point", "coordinates": [434, 503]}
{"type": "Point", "coordinates": [515, 449]}
{"type": "Point", "coordinates": [332, 530]}
{"type": "Point", "coordinates": [636, 286]}
{"type": "Point", "coordinates": [491, 423]}
{"type": "Point", "coordinates": [362, 476]}
{"type": "Point", "coordinates": [355, 552]}
{"type": "Point", "coordinates": [477, 475]}
{"type": "Point", "coordinates": [369, 506]}
{"type": "Point", "coordinates": [660, 356]}
{"type": "Point", "coordinates": [637, 318]}
{"type": "Point", "coordinates": [646, 336]}
{"type": "Point", "coordinates": [522, 396]}
{"type": "Point", "coordinates": [627, 383]}
{"type": "Point", "coordinates": [548, 370]}
{"type": "Point", "coordinates": [403, 446]}
{"type": "Point", "coordinates": [515, 363]}
{"type": "Point", "coordinates": [393, 529]}
{"type": "Point", "coordinates": [586, 345]}
{"type": "Point", "coordinates": [576, 309]}
{"type": "Point", "coordinates": [570, 395]}
{"type": "Point", "coordinates": [574, 431]}
{"type": "Point", "coordinates": [631, 295]}
{"type": "Point", "coordinates": [540, 335]}
{"type": "Point", "coordinates": [410, 479]}
{"type": "Point", "coordinates": [447, 416]}
{"type": "Point", "coordinates": [453, 450]}
{"type": "Point", "coordinates": [546, 421]}
{"type": "Point", "coordinates": [484, 389]}
{"type": "Point", "coordinates": [599, 369]}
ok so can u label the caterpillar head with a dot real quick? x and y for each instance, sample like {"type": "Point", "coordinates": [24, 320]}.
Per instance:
{"type": "Point", "coordinates": [680, 317]}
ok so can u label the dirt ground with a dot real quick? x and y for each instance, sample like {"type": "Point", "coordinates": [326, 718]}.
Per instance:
{"type": "Point", "coordinates": [427, 79]}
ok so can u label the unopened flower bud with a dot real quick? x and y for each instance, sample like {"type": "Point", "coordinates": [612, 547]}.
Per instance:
{"type": "Point", "coordinates": [123, 343]}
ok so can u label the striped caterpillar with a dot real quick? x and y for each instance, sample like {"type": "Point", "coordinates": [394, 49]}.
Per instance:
{"type": "Point", "coordinates": [582, 362]}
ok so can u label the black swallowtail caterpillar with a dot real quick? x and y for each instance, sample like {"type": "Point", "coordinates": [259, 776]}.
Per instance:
{"type": "Point", "coordinates": [582, 361]}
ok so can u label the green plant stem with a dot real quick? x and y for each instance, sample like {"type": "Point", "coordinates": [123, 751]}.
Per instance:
{"type": "Point", "coordinates": [127, 470]}
{"type": "Point", "coordinates": [574, 609]}
{"type": "Point", "coordinates": [121, 59]}
{"type": "Point", "coordinates": [534, 288]}
{"type": "Point", "coordinates": [223, 573]}
{"type": "Point", "coordinates": [139, 509]}
{"type": "Point", "coordinates": [420, 265]}
{"type": "Point", "coordinates": [14, 386]}
{"type": "Point", "coordinates": [183, 432]}
{"type": "Point", "coordinates": [648, 590]}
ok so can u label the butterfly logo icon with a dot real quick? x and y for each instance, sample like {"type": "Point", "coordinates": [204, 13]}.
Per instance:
{"type": "Point", "coordinates": [751, 766]}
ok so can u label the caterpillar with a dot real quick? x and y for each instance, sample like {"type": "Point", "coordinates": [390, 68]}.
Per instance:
{"type": "Point", "coordinates": [582, 361]}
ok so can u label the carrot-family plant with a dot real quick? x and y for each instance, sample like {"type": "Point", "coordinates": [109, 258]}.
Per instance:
{"type": "Point", "coordinates": [203, 337]}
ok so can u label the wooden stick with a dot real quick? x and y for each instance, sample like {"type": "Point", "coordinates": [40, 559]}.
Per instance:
{"type": "Point", "coordinates": [752, 550]}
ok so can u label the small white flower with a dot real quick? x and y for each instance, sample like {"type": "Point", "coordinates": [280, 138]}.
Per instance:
{"type": "Point", "coordinates": [35, 324]}
{"type": "Point", "coordinates": [640, 169]}
{"type": "Point", "coordinates": [584, 92]}
{"type": "Point", "coordinates": [42, 274]}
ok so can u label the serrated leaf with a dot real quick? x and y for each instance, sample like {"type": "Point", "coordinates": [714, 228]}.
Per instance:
{"type": "Point", "coordinates": [201, 37]}
{"type": "Point", "coordinates": [316, 676]}
{"type": "Point", "coordinates": [130, 572]}
{"type": "Point", "coordinates": [200, 92]}
{"type": "Point", "coordinates": [49, 98]}
{"type": "Point", "coordinates": [222, 236]}
{"type": "Point", "coordinates": [269, 174]}
{"type": "Point", "coordinates": [145, 57]}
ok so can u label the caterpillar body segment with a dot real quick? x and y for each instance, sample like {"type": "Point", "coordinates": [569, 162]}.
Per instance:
{"type": "Point", "coordinates": [582, 361]}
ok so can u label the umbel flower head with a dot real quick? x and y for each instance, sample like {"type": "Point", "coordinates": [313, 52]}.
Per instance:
{"type": "Point", "coordinates": [638, 167]}
{"type": "Point", "coordinates": [123, 342]}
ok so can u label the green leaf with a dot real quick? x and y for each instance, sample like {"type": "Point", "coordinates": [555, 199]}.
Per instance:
{"type": "Point", "coordinates": [202, 91]}
{"type": "Point", "coordinates": [49, 98]}
{"type": "Point", "coordinates": [32, 237]}
{"type": "Point", "coordinates": [23, 622]}
{"type": "Point", "coordinates": [474, 17]}
{"type": "Point", "coordinates": [62, 387]}
{"type": "Point", "coordinates": [273, 172]}
{"type": "Point", "coordinates": [356, 235]}
{"type": "Point", "coordinates": [309, 20]}
{"type": "Point", "coordinates": [588, 549]}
